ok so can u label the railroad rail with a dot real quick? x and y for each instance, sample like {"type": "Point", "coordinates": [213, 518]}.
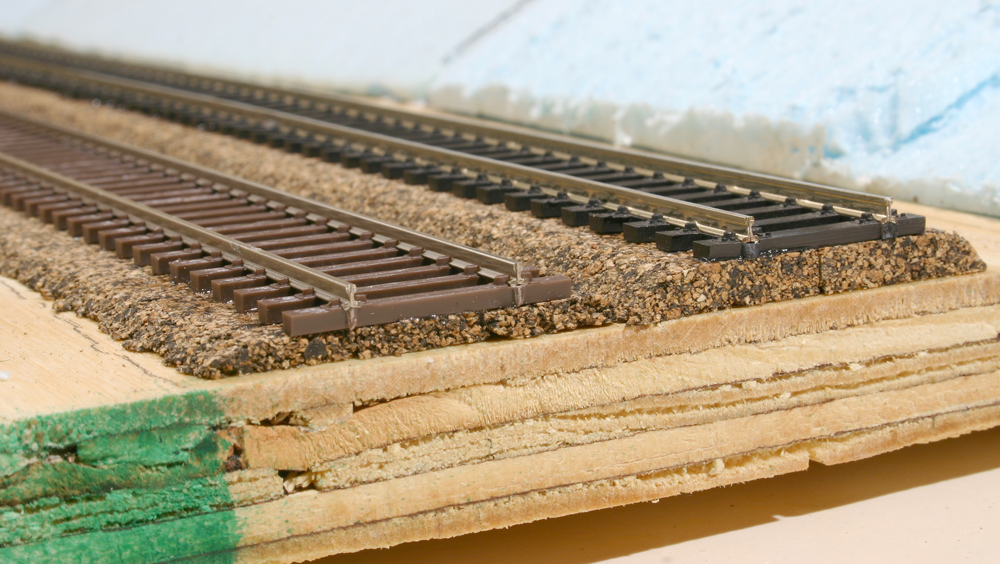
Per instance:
{"type": "Point", "coordinates": [307, 265]}
{"type": "Point", "coordinates": [716, 212]}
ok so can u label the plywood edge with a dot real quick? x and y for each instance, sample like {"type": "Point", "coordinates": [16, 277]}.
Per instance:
{"type": "Point", "coordinates": [596, 425]}
{"type": "Point", "coordinates": [841, 359]}
{"type": "Point", "coordinates": [298, 514]}
{"type": "Point", "coordinates": [566, 500]}
{"type": "Point", "coordinates": [309, 512]}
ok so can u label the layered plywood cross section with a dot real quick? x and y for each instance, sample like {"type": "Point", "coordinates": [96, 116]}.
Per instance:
{"type": "Point", "coordinates": [111, 454]}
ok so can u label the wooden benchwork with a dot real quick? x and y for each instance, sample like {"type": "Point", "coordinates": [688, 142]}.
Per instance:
{"type": "Point", "coordinates": [107, 455]}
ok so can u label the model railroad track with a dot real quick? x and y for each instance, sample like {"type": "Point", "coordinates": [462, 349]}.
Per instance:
{"type": "Point", "coordinates": [681, 205]}
{"type": "Point", "coordinates": [311, 267]}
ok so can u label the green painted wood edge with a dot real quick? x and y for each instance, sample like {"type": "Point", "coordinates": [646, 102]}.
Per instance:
{"type": "Point", "coordinates": [38, 435]}
{"type": "Point", "coordinates": [67, 479]}
{"type": "Point", "coordinates": [211, 536]}
{"type": "Point", "coordinates": [51, 517]}
{"type": "Point", "coordinates": [159, 428]}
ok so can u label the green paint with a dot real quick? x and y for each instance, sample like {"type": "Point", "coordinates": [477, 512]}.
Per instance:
{"type": "Point", "coordinates": [10, 463]}
{"type": "Point", "coordinates": [48, 432]}
{"type": "Point", "coordinates": [211, 536]}
{"type": "Point", "coordinates": [140, 482]}
{"type": "Point", "coordinates": [53, 517]}
{"type": "Point", "coordinates": [68, 479]}
{"type": "Point", "coordinates": [162, 446]}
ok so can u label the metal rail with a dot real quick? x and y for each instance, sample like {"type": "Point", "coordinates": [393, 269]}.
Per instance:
{"type": "Point", "coordinates": [879, 206]}
{"type": "Point", "coordinates": [707, 219]}
{"type": "Point", "coordinates": [807, 192]}
{"type": "Point", "coordinates": [326, 286]}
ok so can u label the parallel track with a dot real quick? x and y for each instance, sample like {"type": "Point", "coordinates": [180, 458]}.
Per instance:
{"type": "Point", "coordinates": [645, 196]}
{"type": "Point", "coordinates": [307, 265]}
